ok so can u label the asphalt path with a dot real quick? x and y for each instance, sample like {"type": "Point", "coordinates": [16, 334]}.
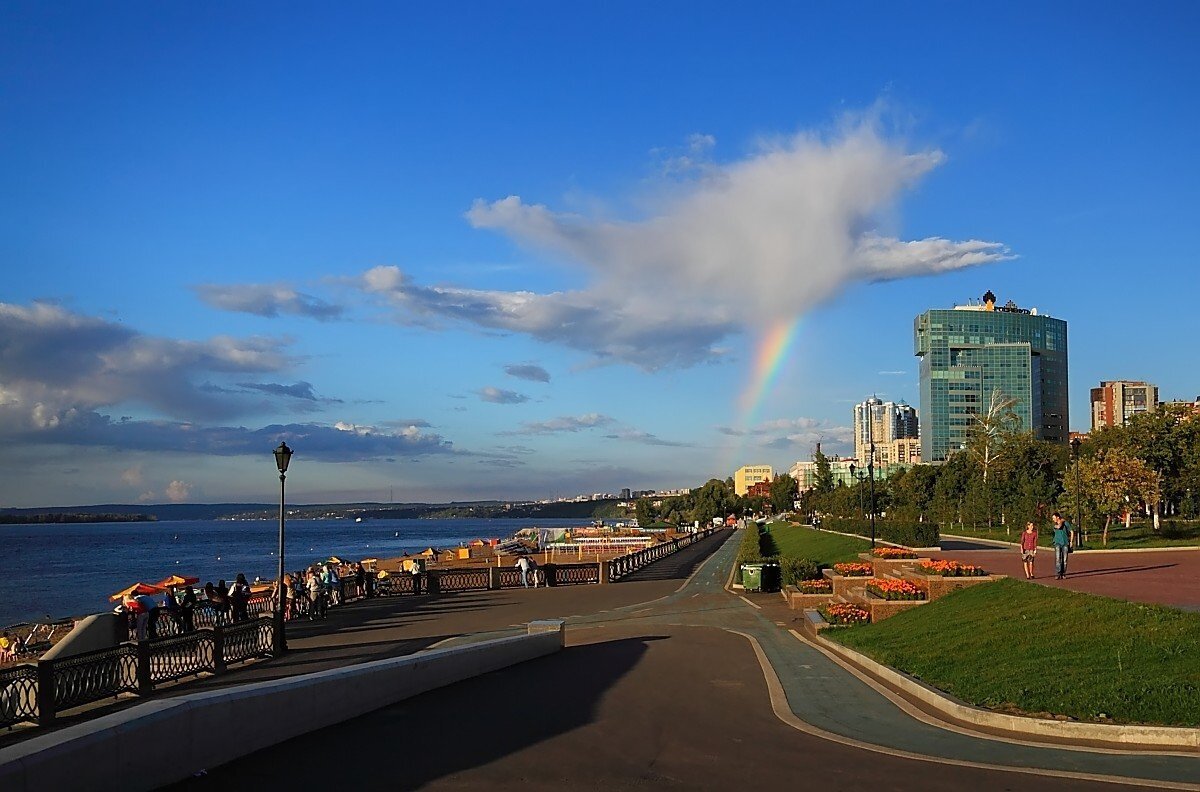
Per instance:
{"type": "Point", "coordinates": [677, 692]}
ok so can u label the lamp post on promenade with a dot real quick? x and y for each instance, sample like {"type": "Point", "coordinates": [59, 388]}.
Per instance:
{"type": "Point", "coordinates": [283, 455]}
{"type": "Point", "coordinates": [1075, 443]}
{"type": "Point", "coordinates": [871, 480]}
{"type": "Point", "coordinates": [859, 476]}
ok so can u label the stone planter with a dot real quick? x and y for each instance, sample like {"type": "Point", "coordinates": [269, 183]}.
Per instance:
{"type": "Point", "coordinates": [885, 609]}
{"type": "Point", "coordinates": [846, 586]}
{"type": "Point", "coordinates": [797, 600]}
{"type": "Point", "coordinates": [941, 585]}
{"type": "Point", "coordinates": [888, 566]}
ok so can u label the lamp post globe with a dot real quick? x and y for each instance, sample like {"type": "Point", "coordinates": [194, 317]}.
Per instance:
{"type": "Point", "coordinates": [283, 457]}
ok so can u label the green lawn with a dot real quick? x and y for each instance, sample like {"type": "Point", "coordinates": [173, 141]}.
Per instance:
{"type": "Point", "coordinates": [826, 549]}
{"type": "Point", "coordinates": [1140, 534]}
{"type": "Point", "coordinates": [1035, 649]}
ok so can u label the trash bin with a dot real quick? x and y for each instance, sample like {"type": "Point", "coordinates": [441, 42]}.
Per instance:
{"type": "Point", "coordinates": [771, 576]}
{"type": "Point", "coordinates": [752, 575]}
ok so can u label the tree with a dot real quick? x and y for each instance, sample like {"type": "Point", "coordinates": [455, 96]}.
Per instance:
{"type": "Point", "coordinates": [824, 473]}
{"type": "Point", "coordinates": [783, 492]}
{"type": "Point", "coordinates": [986, 438]}
{"type": "Point", "coordinates": [644, 512]}
{"type": "Point", "coordinates": [1109, 483]}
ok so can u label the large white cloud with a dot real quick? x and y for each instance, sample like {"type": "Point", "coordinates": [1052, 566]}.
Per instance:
{"type": "Point", "coordinates": [753, 241]}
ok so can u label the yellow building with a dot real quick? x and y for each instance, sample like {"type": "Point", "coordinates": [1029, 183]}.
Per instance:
{"type": "Point", "coordinates": [749, 475]}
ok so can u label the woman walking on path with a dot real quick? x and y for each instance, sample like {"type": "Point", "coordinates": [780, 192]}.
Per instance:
{"type": "Point", "coordinates": [1029, 539]}
{"type": "Point", "coordinates": [1062, 544]}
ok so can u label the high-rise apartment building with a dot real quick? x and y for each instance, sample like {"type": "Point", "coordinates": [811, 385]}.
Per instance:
{"type": "Point", "coordinates": [881, 422]}
{"type": "Point", "coordinates": [972, 350]}
{"type": "Point", "coordinates": [1114, 403]}
{"type": "Point", "coordinates": [749, 475]}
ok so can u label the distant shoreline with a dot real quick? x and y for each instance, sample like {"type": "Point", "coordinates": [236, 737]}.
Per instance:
{"type": "Point", "coordinates": [58, 519]}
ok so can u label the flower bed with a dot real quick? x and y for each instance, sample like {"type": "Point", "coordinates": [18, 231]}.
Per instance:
{"type": "Point", "coordinates": [822, 586]}
{"type": "Point", "coordinates": [891, 553]}
{"type": "Point", "coordinates": [893, 589]}
{"type": "Point", "coordinates": [950, 569]}
{"type": "Point", "coordinates": [854, 569]}
{"type": "Point", "coordinates": [845, 613]}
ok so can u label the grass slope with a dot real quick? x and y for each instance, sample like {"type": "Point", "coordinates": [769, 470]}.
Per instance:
{"type": "Point", "coordinates": [1139, 535]}
{"type": "Point", "coordinates": [826, 549]}
{"type": "Point", "coordinates": [1022, 647]}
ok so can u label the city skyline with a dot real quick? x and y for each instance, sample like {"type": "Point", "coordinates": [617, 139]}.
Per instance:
{"type": "Point", "coordinates": [455, 255]}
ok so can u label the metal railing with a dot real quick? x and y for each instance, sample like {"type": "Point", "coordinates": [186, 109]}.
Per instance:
{"type": "Point", "coordinates": [18, 695]}
{"type": "Point", "coordinates": [623, 566]}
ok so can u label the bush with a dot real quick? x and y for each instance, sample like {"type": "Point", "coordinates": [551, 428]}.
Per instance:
{"type": "Point", "coordinates": [909, 534]}
{"type": "Point", "coordinates": [749, 551]}
{"type": "Point", "coordinates": [796, 569]}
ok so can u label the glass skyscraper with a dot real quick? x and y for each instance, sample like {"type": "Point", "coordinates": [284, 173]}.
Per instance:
{"type": "Point", "coordinates": [971, 350]}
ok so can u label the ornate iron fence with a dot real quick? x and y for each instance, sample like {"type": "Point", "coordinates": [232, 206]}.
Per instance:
{"type": "Point", "coordinates": [625, 565]}
{"type": "Point", "coordinates": [247, 639]}
{"type": "Point", "coordinates": [463, 579]}
{"type": "Point", "coordinates": [91, 676]}
{"type": "Point", "coordinates": [571, 574]}
{"type": "Point", "coordinates": [18, 695]}
{"type": "Point", "coordinates": [183, 655]}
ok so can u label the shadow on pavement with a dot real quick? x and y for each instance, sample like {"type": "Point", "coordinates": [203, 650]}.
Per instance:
{"type": "Point", "coordinates": [1118, 570]}
{"type": "Point", "coordinates": [446, 731]}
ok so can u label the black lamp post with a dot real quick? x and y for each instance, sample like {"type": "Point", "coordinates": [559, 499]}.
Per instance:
{"type": "Point", "coordinates": [283, 455]}
{"type": "Point", "coordinates": [1075, 443]}
{"type": "Point", "coordinates": [871, 480]}
{"type": "Point", "coordinates": [859, 477]}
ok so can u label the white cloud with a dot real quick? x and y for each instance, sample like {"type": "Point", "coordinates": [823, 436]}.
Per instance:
{"type": "Point", "coordinates": [527, 371]}
{"type": "Point", "coordinates": [501, 396]}
{"type": "Point", "coordinates": [755, 241]}
{"type": "Point", "coordinates": [266, 299]}
{"type": "Point", "coordinates": [566, 423]}
{"type": "Point", "coordinates": [178, 491]}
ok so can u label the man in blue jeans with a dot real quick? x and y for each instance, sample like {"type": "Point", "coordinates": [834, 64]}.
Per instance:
{"type": "Point", "coordinates": [1063, 536]}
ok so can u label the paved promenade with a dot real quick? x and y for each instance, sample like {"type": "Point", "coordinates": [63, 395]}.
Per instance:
{"type": "Point", "coordinates": [1164, 577]}
{"type": "Point", "coordinates": [697, 689]}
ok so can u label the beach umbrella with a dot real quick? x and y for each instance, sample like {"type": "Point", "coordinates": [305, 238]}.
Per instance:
{"type": "Point", "coordinates": [135, 590]}
{"type": "Point", "coordinates": [177, 580]}
{"type": "Point", "coordinates": [334, 560]}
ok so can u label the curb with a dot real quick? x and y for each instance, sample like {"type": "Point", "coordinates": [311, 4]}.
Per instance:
{"type": "Point", "coordinates": [1119, 734]}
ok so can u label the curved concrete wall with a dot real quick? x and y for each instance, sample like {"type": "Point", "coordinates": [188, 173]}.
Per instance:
{"type": "Point", "coordinates": [98, 631]}
{"type": "Point", "coordinates": [210, 729]}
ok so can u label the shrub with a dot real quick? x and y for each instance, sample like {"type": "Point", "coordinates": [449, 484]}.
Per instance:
{"type": "Point", "coordinates": [796, 570]}
{"type": "Point", "coordinates": [909, 534]}
{"type": "Point", "coordinates": [749, 551]}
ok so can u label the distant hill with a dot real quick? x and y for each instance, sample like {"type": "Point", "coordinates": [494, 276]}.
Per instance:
{"type": "Point", "coordinates": [263, 511]}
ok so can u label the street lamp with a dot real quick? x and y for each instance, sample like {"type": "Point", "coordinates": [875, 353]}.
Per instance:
{"type": "Point", "coordinates": [1075, 443]}
{"type": "Point", "coordinates": [283, 455]}
{"type": "Point", "coordinates": [871, 480]}
{"type": "Point", "coordinates": [859, 476]}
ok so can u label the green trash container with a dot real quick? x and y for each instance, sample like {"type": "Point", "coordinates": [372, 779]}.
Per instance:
{"type": "Point", "coordinates": [771, 577]}
{"type": "Point", "coordinates": [752, 575]}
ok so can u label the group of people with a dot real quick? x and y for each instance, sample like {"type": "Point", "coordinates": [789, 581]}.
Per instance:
{"type": "Point", "coordinates": [8, 647]}
{"type": "Point", "coordinates": [230, 603]}
{"type": "Point", "coordinates": [311, 592]}
{"type": "Point", "coordinates": [1064, 537]}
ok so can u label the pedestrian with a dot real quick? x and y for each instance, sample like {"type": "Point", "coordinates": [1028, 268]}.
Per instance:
{"type": "Point", "coordinates": [187, 610]}
{"type": "Point", "coordinates": [8, 649]}
{"type": "Point", "coordinates": [169, 611]}
{"type": "Point", "coordinates": [316, 596]}
{"type": "Point", "coordinates": [1064, 535]}
{"type": "Point", "coordinates": [239, 598]}
{"type": "Point", "coordinates": [533, 570]}
{"type": "Point", "coordinates": [222, 600]}
{"type": "Point", "coordinates": [523, 565]}
{"type": "Point", "coordinates": [360, 580]}
{"type": "Point", "coordinates": [1029, 539]}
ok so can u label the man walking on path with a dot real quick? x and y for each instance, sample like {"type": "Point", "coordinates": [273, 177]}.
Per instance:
{"type": "Point", "coordinates": [1062, 544]}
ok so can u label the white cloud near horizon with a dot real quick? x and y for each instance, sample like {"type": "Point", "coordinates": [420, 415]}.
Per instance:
{"type": "Point", "coordinates": [757, 240]}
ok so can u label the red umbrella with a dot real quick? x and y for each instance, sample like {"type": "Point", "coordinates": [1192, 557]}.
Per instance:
{"type": "Point", "coordinates": [175, 581]}
{"type": "Point", "coordinates": [136, 589]}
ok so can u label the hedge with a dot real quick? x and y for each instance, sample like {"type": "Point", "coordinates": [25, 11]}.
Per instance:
{"type": "Point", "coordinates": [909, 534]}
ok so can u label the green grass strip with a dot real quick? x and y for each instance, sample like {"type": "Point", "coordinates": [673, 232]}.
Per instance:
{"type": "Point", "coordinates": [1021, 647]}
{"type": "Point", "coordinates": [826, 549]}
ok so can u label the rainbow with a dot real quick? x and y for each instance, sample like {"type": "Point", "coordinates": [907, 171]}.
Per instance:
{"type": "Point", "coordinates": [773, 349]}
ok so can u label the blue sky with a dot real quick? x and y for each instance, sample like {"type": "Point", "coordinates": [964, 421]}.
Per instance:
{"type": "Point", "coordinates": [526, 250]}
